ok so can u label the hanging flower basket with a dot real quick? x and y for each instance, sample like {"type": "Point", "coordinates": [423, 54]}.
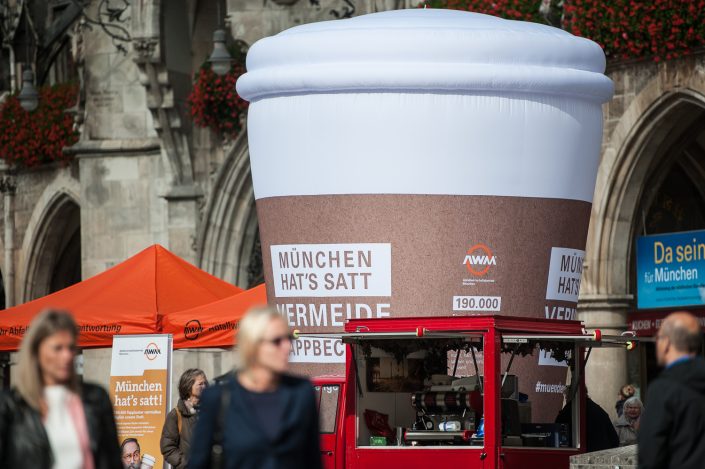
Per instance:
{"type": "Point", "coordinates": [29, 139]}
{"type": "Point", "coordinates": [214, 102]}
{"type": "Point", "coordinates": [626, 29]}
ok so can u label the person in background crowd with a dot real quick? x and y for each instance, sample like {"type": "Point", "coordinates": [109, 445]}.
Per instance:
{"type": "Point", "coordinates": [131, 453]}
{"type": "Point", "coordinates": [178, 428]}
{"type": "Point", "coordinates": [261, 418]}
{"type": "Point", "coordinates": [49, 419]}
{"type": "Point", "coordinates": [598, 426]}
{"type": "Point", "coordinates": [672, 426]}
{"type": "Point", "coordinates": [627, 425]}
{"type": "Point", "coordinates": [625, 393]}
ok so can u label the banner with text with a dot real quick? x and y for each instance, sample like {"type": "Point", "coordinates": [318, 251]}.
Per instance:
{"type": "Point", "coordinates": [311, 279]}
{"type": "Point", "coordinates": [671, 270]}
{"type": "Point", "coordinates": [140, 373]}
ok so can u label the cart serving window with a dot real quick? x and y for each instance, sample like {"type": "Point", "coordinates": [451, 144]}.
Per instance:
{"type": "Point", "coordinates": [327, 400]}
{"type": "Point", "coordinates": [408, 397]}
{"type": "Point", "coordinates": [472, 387]}
{"type": "Point", "coordinates": [429, 390]}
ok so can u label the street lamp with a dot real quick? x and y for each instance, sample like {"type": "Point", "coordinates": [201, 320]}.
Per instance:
{"type": "Point", "coordinates": [220, 58]}
{"type": "Point", "coordinates": [29, 98]}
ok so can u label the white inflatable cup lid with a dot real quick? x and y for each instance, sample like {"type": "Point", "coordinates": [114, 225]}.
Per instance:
{"type": "Point", "coordinates": [425, 50]}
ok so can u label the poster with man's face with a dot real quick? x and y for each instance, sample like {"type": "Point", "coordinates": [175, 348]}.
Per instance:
{"type": "Point", "coordinates": [139, 390]}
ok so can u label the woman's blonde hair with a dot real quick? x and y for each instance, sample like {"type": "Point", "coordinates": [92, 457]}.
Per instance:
{"type": "Point", "coordinates": [251, 330]}
{"type": "Point", "coordinates": [30, 383]}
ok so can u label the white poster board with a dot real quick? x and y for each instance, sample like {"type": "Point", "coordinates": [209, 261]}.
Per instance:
{"type": "Point", "coordinates": [140, 377]}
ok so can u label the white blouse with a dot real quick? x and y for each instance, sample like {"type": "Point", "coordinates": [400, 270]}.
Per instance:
{"type": "Point", "coordinates": [63, 437]}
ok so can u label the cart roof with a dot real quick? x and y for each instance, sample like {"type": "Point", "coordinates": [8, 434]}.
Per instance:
{"type": "Point", "coordinates": [465, 324]}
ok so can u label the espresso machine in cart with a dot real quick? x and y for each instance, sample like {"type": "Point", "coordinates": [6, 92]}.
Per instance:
{"type": "Point", "coordinates": [372, 418]}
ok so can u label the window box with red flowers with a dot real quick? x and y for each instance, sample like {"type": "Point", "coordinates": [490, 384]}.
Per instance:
{"type": "Point", "coordinates": [29, 139]}
{"type": "Point", "coordinates": [626, 29]}
{"type": "Point", "coordinates": [214, 102]}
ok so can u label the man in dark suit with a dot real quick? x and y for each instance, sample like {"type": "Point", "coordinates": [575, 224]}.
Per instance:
{"type": "Point", "coordinates": [672, 429]}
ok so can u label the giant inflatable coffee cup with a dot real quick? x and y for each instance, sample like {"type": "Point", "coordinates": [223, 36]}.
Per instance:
{"type": "Point", "coordinates": [422, 162]}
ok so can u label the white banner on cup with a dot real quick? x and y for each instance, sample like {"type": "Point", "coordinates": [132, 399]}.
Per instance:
{"type": "Point", "coordinates": [317, 350]}
{"type": "Point", "coordinates": [565, 269]}
{"type": "Point", "coordinates": [332, 270]}
{"type": "Point", "coordinates": [546, 359]}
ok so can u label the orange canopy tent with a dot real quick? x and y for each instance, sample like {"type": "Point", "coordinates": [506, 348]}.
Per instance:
{"type": "Point", "coordinates": [213, 324]}
{"type": "Point", "coordinates": [130, 298]}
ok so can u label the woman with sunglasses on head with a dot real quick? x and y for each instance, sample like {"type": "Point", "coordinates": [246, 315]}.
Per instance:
{"type": "Point", "coordinates": [49, 419]}
{"type": "Point", "coordinates": [262, 417]}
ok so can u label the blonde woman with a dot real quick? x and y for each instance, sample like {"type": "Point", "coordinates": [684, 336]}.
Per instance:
{"type": "Point", "coordinates": [49, 419]}
{"type": "Point", "coordinates": [261, 418]}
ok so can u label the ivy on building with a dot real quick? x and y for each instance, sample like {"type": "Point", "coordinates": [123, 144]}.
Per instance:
{"type": "Point", "coordinates": [29, 139]}
{"type": "Point", "coordinates": [626, 29]}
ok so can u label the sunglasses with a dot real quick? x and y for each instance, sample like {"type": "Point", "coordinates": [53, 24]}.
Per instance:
{"type": "Point", "coordinates": [277, 341]}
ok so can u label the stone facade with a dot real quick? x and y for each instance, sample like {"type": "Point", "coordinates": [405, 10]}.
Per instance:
{"type": "Point", "coordinates": [142, 173]}
{"type": "Point", "coordinates": [654, 119]}
{"type": "Point", "coordinates": [624, 457]}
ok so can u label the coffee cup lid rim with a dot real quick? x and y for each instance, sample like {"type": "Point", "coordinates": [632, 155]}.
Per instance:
{"type": "Point", "coordinates": [425, 50]}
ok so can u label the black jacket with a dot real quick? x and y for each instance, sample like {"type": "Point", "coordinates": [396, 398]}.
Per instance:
{"type": "Point", "coordinates": [598, 426]}
{"type": "Point", "coordinates": [619, 407]}
{"type": "Point", "coordinates": [672, 428]}
{"type": "Point", "coordinates": [24, 441]}
{"type": "Point", "coordinates": [245, 444]}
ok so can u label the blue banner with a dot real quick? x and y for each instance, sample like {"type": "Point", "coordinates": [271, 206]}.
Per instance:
{"type": "Point", "coordinates": [671, 270]}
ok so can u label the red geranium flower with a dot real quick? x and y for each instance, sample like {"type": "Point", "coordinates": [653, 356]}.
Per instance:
{"type": "Point", "coordinates": [214, 102]}
{"type": "Point", "coordinates": [38, 137]}
{"type": "Point", "coordinates": [624, 28]}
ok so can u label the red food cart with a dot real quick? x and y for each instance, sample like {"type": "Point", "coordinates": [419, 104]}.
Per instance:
{"type": "Point", "coordinates": [388, 412]}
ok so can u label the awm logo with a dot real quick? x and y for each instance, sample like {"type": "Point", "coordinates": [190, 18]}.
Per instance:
{"type": "Point", "coordinates": [152, 351]}
{"type": "Point", "coordinates": [479, 259]}
{"type": "Point", "coordinates": [192, 329]}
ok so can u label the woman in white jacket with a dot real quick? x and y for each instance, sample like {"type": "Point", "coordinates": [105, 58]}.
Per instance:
{"type": "Point", "coordinates": [627, 425]}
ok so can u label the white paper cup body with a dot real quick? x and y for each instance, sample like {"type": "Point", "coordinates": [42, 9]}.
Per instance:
{"type": "Point", "coordinates": [431, 167]}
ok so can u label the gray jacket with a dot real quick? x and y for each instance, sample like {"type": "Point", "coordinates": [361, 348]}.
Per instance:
{"type": "Point", "coordinates": [627, 434]}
